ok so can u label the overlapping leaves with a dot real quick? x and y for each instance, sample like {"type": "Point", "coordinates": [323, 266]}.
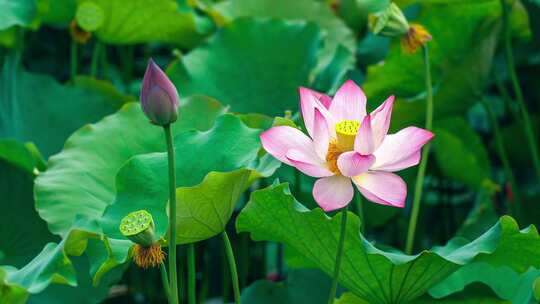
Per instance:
{"type": "Point", "coordinates": [336, 33]}
{"type": "Point", "coordinates": [37, 108]}
{"type": "Point", "coordinates": [137, 21]}
{"type": "Point", "coordinates": [372, 274]}
{"type": "Point", "coordinates": [461, 56]}
{"type": "Point", "coordinates": [82, 188]}
{"type": "Point", "coordinates": [205, 200]}
{"type": "Point", "coordinates": [243, 64]}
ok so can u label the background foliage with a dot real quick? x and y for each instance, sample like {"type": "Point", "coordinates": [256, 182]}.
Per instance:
{"type": "Point", "coordinates": [76, 153]}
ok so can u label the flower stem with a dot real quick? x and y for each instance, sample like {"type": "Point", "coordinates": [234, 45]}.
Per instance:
{"type": "Point", "coordinates": [95, 59]}
{"type": "Point", "coordinates": [339, 255]}
{"type": "Point", "coordinates": [165, 281]}
{"type": "Point", "coordinates": [425, 153]}
{"type": "Point", "coordinates": [74, 59]}
{"type": "Point", "coordinates": [232, 266]}
{"type": "Point", "coordinates": [191, 274]}
{"type": "Point", "coordinates": [358, 201]}
{"type": "Point", "coordinates": [513, 206]}
{"type": "Point", "coordinates": [172, 215]}
{"type": "Point", "coordinates": [509, 55]}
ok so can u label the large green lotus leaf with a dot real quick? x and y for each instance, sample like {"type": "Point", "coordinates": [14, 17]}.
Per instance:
{"type": "Point", "coordinates": [81, 179]}
{"type": "Point", "coordinates": [473, 295]}
{"type": "Point", "coordinates": [460, 153]}
{"type": "Point", "coordinates": [461, 56]}
{"type": "Point", "coordinates": [23, 232]}
{"type": "Point", "coordinates": [505, 282]}
{"type": "Point", "coordinates": [54, 263]}
{"type": "Point", "coordinates": [302, 286]}
{"type": "Point", "coordinates": [20, 12]}
{"type": "Point", "coordinates": [39, 109]}
{"type": "Point", "coordinates": [243, 65]}
{"type": "Point", "coordinates": [205, 201]}
{"type": "Point", "coordinates": [335, 31]}
{"type": "Point", "coordinates": [372, 274]}
{"type": "Point", "coordinates": [140, 21]}
{"type": "Point", "coordinates": [60, 12]}
{"type": "Point", "coordinates": [84, 293]}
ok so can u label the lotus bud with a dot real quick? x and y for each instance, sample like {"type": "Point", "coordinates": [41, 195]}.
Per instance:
{"type": "Point", "coordinates": [138, 226]}
{"type": "Point", "coordinates": [389, 22]}
{"type": "Point", "coordinates": [159, 98]}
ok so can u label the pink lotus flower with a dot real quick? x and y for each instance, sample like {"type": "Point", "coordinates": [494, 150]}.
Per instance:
{"type": "Point", "coordinates": [346, 144]}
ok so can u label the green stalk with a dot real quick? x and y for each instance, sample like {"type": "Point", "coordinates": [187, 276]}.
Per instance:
{"type": "Point", "coordinates": [74, 59]}
{"type": "Point", "coordinates": [165, 281]}
{"type": "Point", "coordinates": [95, 59]}
{"type": "Point", "coordinates": [358, 200]}
{"type": "Point", "coordinates": [425, 153]}
{"type": "Point", "coordinates": [191, 274]}
{"type": "Point", "coordinates": [509, 54]}
{"type": "Point", "coordinates": [104, 62]}
{"type": "Point", "coordinates": [172, 215]}
{"type": "Point", "coordinates": [232, 266]}
{"type": "Point", "coordinates": [339, 255]}
{"type": "Point", "coordinates": [513, 206]}
{"type": "Point", "coordinates": [507, 99]}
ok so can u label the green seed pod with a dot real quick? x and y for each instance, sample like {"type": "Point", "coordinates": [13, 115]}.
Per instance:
{"type": "Point", "coordinates": [138, 226]}
{"type": "Point", "coordinates": [389, 22]}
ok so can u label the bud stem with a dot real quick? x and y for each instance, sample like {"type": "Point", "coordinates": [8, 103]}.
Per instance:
{"type": "Point", "coordinates": [172, 216]}
{"type": "Point", "coordinates": [425, 153]}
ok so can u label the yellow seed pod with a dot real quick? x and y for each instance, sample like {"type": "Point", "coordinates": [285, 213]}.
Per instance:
{"type": "Point", "coordinates": [346, 131]}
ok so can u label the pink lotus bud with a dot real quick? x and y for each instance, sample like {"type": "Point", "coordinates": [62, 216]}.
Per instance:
{"type": "Point", "coordinates": [159, 98]}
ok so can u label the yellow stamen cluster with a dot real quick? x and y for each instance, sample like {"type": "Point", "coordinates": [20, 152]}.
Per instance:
{"type": "Point", "coordinates": [416, 37]}
{"type": "Point", "coordinates": [346, 131]}
{"type": "Point", "coordinates": [146, 257]}
{"type": "Point", "coordinates": [332, 157]}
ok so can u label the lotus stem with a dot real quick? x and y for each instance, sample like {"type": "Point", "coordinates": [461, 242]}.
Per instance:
{"type": "Point", "coordinates": [358, 200]}
{"type": "Point", "coordinates": [425, 153]}
{"type": "Point", "coordinates": [74, 59]}
{"type": "Point", "coordinates": [232, 267]}
{"type": "Point", "coordinates": [95, 59]}
{"type": "Point", "coordinates": [192, 299]}
{"type": "Point", "coordinates": [339, 255]}
{"type": "Point", "coordinates": [165, 281]}
{"type": "Point", "coordinates": [172, 215]}
{"type": "Point", "coordinates": [509, 55]}
{"type": "Point", "coordinates": [513, 206]}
